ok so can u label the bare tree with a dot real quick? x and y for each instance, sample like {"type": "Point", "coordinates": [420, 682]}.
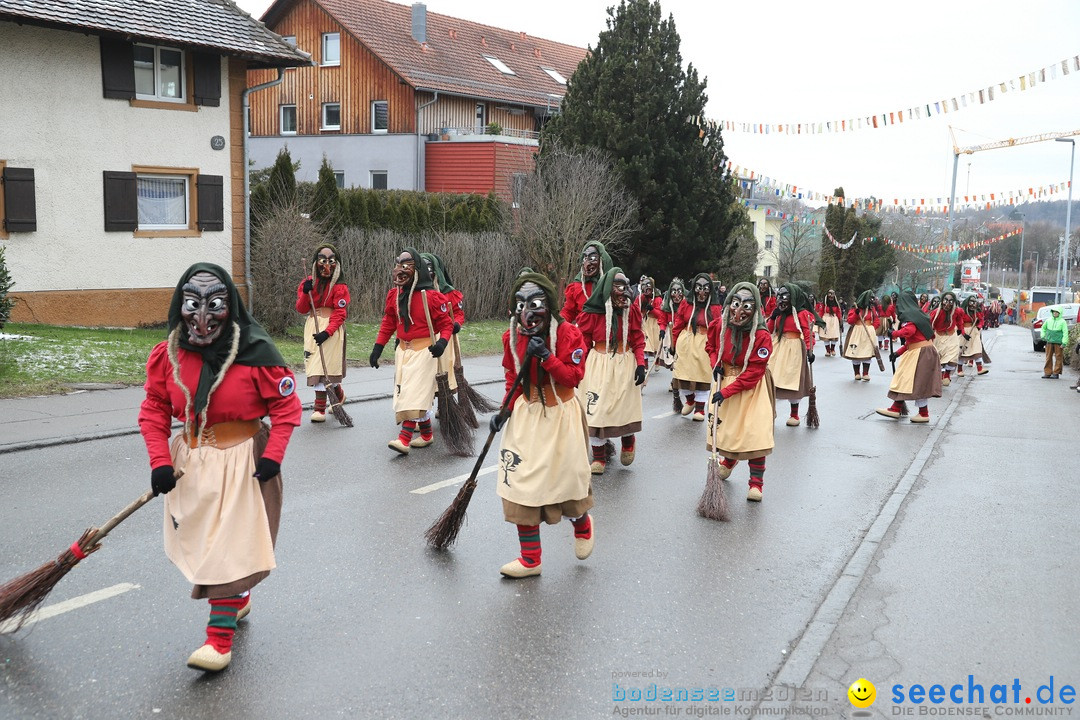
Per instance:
{"type": "Point", "coordinates": [573, 196]}
{"type": "Point", "coordinates": [800, 243]}
{"type": "Point", "coordinates": [743, 262]}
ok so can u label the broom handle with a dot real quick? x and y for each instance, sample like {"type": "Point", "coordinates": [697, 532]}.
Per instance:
{"type": "Point", "coordinates": [315, 319]}
{"type": "Point", "coordinates": [491, 435]}
{"type": "Point", "coordinates": [457, 352]}
{"type": "Point", "coordinates": [123, 514]}
{"type": "Point", "coordinates": [430, 327]}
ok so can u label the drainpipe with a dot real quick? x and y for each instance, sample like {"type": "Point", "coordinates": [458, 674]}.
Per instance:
{"type": "Point", "coordinates": [247, 184]}
{"type": "Point", "coordinates": [431, 102]}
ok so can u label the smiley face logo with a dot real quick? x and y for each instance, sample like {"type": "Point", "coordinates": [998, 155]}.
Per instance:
{"type": "Point", "coordinates": [862, 693]}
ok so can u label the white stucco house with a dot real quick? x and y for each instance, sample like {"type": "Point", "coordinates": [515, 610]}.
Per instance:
{"type": "Point", "coordinates": [122, 150]}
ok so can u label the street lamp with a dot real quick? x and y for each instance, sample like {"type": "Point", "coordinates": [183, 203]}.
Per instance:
{"type": "Point", "coordinates": [1068, 212]}
{"type": "Point", "coordinates": [1020, 265]}
{"type": "Point", "coordinates": [1036, 254]}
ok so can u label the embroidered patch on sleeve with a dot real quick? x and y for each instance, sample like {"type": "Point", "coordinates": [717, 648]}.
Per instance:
{"type": "Point", "coordinates": [443, 308]}
{"type": "Point", "coordinates": [763, 352]}
{"type": "Point", "coordinates": [342, 303]}
{"type": "Point", "coordinates": [286, 386]}
{"type": "Point", "coordinates": [576, 357]}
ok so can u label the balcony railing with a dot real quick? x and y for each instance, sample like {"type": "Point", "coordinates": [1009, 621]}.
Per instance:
{"type": "Point", "coordinates": [450, 133]}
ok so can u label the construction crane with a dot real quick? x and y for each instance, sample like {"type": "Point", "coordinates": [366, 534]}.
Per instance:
{"type": "Point", "coordinates": [1010, 142]}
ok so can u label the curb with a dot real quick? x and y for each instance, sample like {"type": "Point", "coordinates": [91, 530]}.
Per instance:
{"type": "Point", "coordinates": [106, 434]}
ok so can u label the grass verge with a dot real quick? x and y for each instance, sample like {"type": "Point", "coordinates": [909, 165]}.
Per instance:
{"type": "Point", "coordinates": [48, 359]}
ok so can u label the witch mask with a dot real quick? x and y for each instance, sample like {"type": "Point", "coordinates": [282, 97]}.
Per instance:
{"type": "Point", "coordinates": [205, 308]}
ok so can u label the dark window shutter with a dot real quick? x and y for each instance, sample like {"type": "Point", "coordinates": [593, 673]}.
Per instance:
{"type": "Point", "coordinates": [121, 201]}
{"type": "Point", "coordinates": [207, 72]}
{"type": "Point", "coordinates": [118, 69]}
{"type": "Point", "coordinates": [211, 202]}
{"type": "Point", "coordinates": [20, 209]}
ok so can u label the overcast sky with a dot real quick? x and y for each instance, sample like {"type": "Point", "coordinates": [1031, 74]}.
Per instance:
{"type": "Point", "coordinates": [799, 61]}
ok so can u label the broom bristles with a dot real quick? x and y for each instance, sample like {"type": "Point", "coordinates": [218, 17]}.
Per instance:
{"type": "Point", "coordinates": [676, 400]}
{"type": "Point", "coordinates": [462, 399]}
{"type": "Point", "coordinates": [444, 531]}
{"type": "Point", "coordinates": [334, 396]}
{"type": "Point", "coordinates": [479, 402]}
{"type": "Point", "coordinates": [812, 419]}
{"type": "Point", "coordinates": [455, 432]}
{"type": "Point", "coordinates": [713, 503]}
{"type": "Point", "coordinates": [21, 597]}
{"type": "Point", "coordinates": [903, 409]}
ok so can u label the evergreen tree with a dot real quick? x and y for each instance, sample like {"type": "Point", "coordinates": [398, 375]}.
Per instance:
{"type": "Point", "coordinates": [357, 205]}
{"type": "Point", "coordinates": [6, 283]}
{"type": "Point", "coordinates": [632, 98]}
{"type": "Point", "coordinates": [326, 205]}
{"type": "Point", "coordinates": [282, 181]}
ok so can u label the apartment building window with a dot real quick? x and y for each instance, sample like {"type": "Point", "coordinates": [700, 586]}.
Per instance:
{"type": "Point", "coordinates": [331, 116]}
{"type": "Point", "coordinates": [481, 116]}
{"type": "Point", "coordinates": [339, 176]}
{"type": "Point", "coordinates": [768, 242]}
{"type": "Point", "coordinates": [331, 49]}
{"type": "Point", "coordinates": [380, 116]}
{"type": "Point", "coordinates": [378, 179]}
{"type": "Point", "coordinates": [768, 271]}
{"type": "Point", "coordinates": [288, 119]}
{"type": "Point", "coordinates": [163, 202]}
{"type": "Point", "coordinates": [159, 73]}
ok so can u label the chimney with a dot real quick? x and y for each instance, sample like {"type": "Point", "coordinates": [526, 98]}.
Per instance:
{"type": "Point", "coordinates": [419, 22]}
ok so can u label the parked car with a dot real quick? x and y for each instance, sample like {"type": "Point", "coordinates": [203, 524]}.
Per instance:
{"type": "Point", "coordinates": [1068, 311]}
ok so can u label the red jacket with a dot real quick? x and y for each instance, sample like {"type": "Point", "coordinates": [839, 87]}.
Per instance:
{"type": "Point", "coordinates": [246, 393]}
{"type": "Point", "coordinates": [870, 317]}
{"type": "Point", "coordinates": [574, 300]}
{"type": "Point", "coordinates": [457, 306]}
{"type": "Point", "coordinates": [770, 305]}
{"type": "Point", "coordinates": [907, 333]}
{"type": "Point", "coordinates": [338, 300]}
{"type": "Point", "coordinates": [646, 309]}
{"type": "Point", "coordinates": [682, 318]}
{"type": "Point", "coordinates": [593, 327]}
{"type": "Point", "coordinates": [943, 324]}
{"type": "Point", "coordinates": [806, 319]}
{"type": "Point", "coordinates": [566, 365]}
{"type": "Point", "coordinates": [759, 350]}
{"type": "Point", "coordinates": [440, 317]}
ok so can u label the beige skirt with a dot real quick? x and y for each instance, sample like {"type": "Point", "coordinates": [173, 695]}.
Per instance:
{"type": "Point", "coordinates": [743, 427]}
{"type": "Point", "coordinates": [414, 380]}
{"type": "Point", "coordinates": [651, 328]}
{"type": "Point", "coordinates": [333, 350]}
{"type": "Point", "coordinates": [691, 361]}
{"type": "Point", "coordinates": [612, 400]}
{"type": "Point", "coordinates": [918, 374]}
{"type": "Point", "coordinates": [860, 342]}
{"type": "Point", "coordinates": [948, 347]}
{"type": "Point", "coordinates": [544, 456]}
{"type": "Point", "coordinates": [790, 371]}
{"type": "Point", "coordinates": [220, 522]}
{"type": "Point", "coordinates": [972, 349]}
{"type": "Point", "coordinates": [831, 332]}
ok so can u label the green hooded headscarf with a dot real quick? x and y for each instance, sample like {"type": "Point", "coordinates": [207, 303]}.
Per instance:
{"type": "Point", "coordinates": [693, 300]}
{"type": "Point", "coordinates": [865, 299]}
{"type": "Point", "coordinates": [799, 302]}
{"type": "Point", "coordinates": [254, 346]}
{"type": "Point", "coordinates": [442, 275]}
{"type": "Point", "coordinates": [337, 276]}
{"type": "Point", "coordinates": [666, 305]}
{"type": "Point", "coordinates": [737, 335]}
{"type": "Point", "coordinates": [597, 302]}
{"type": "Point", "coordinates": [908, 310]}
{"type": "Point", "coordinates": [605, 259]}
{"type": "Point", "coordinates": [422, 280]}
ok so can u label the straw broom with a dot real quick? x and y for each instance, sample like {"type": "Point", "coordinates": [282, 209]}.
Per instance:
{"type": "Point", "coordinates": [713, 503]}
{"type": "Point", "coordinates": [444, 531]}
{"type": "Point", "coordinates": [25, 594]}
{"type": "Point", "coordinates": [332, 393]}
{"type": "Point", "coordinates": [453, 427]}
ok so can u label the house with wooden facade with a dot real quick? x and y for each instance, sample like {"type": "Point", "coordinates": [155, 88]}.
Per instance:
{"type": "Point", "coordinates": [403, 98]}
{"type": "Point", "coordinates": [122, 150]}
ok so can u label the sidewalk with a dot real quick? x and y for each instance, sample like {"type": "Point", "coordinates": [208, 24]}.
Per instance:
{"type": "Point", "coordinates": [91, 414]}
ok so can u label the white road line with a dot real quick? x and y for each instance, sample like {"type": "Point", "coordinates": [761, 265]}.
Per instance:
{"type": "Point", "coordinates": [73, 604]}
{"type": "Point", "coordinates": [452, 481]}
{"type": "Point", "coordinates": [669, 413]}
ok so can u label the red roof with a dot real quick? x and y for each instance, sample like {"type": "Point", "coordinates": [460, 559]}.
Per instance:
{"type": "Point", "coordinates": [452, 59]}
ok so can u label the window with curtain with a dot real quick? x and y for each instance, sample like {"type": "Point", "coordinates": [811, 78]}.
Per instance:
{"type": "Point", "coordinates": [162, 202]}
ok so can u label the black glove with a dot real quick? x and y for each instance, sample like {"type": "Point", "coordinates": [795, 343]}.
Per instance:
{"type": "Point", "coordinates": [775, 314]}
{"type": "Point", "coordinates": [266, 469]}
{"type": "Point", "coordinates": [437, 349]}
{"type": "Point", "coordinates": [457, 328]}
{"type": "Point", "coordinates": [162, 479]}
{"type": "Point", "coordinates": [662, 333]}
{"type": "Point", "coordinates": [497, 421]}
{"type": "Point", "coordinates": [959, 331]}
{"type": "Point", "coordinates": [321, 337]}
{"type": "Point", "coordinates": [639, 375]}
{"type": "Point", "coordinates": [810, 356]}
{"type": "Point", "coordinates": [717, 397]}
{"type": "Point", "coordinates": [373, 359]}
{"type": "Point", "coordinates": [718, 371]}
{"type": "Point", "coordinates": [308, 287]}
{"type": "Point", "coordinates": [538, 347]}
{"type": "Point", "coordinates": [893, 356]}
{"type": "Point", "coordinates": [966, 336]}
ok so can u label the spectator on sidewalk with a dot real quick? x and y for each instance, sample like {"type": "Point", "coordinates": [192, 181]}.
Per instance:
{"type": "Point", "coordinates": [1055, 333]}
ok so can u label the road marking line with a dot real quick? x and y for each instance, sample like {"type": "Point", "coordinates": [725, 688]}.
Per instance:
{"type": "Point", "coordinates": [452, 481]}
{"type": "Point", "coordinates": [669, 413]}
{"type": "Point", "coordinates": [68, 605]}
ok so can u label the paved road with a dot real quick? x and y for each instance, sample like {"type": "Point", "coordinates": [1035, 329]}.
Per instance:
{"type": "Point", "coordinates": [897, 552]}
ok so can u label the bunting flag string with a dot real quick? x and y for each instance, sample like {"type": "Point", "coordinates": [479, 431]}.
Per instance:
{"type": "Point", "coordinates": [935, 249]}
{"type": "Point", "coordinates": [933, 108]}
{"type": "Point", "coordinates": [774, 188]}
{"type": "Point", "coordinates": [949, 263]}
